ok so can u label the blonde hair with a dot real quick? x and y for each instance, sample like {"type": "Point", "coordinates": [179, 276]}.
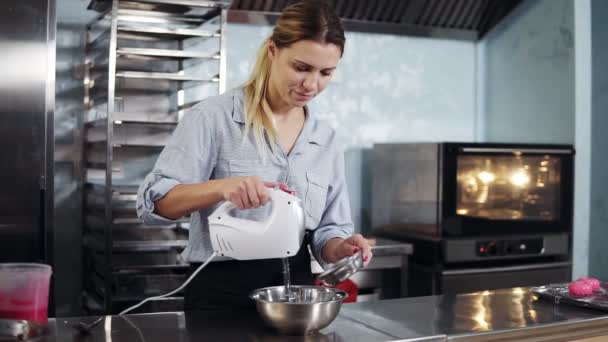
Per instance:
{"type": "Point", "coordinates": [305, 20]}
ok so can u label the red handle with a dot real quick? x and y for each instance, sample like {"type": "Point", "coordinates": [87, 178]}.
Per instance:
{"type": "Point", "coordinates": [282, 186]}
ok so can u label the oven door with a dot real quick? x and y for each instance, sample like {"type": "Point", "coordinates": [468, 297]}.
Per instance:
{"type": "Point", "coordinates": [428, 280]}
{"type": "Point", "coordinates": [506, 189]}
{"type": "Point", "coordinates": [481, 279]}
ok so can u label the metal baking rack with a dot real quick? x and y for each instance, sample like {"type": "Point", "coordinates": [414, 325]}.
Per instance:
{"type": "Point", "coordinates": [147, 61]}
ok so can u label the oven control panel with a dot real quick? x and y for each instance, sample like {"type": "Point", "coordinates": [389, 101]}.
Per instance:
{"type": "Point", "coordinates": [491, 248]}
{"type": "Point", "coordinates": [506, 247]}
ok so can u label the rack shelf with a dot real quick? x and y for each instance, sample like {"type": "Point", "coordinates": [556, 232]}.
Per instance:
{"type": "Point", "coordinates": [121, 145]}
{"type": "Point", "coordinates": [147, 269]}
{"type": "Point", "coordinates": [138, 16]}
{"type": "Point", "coordinates": [103, 121]}
{"type": "Point", "coordinates": [94, 222]}
{"type": "Point", "coordinates": [166, 33]}
{"type": "Point", "coordinates": [136, 246]}
{"type": "Point", "coordinates": [164, 53]}
{"type": "Point", "coordinates": [190, 3]}
{"type": "Point", "coordinates": [164, 76]}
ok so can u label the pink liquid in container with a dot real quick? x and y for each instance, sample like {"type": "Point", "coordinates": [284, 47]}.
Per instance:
{"type": "Point", "coordinates": [24, 291]}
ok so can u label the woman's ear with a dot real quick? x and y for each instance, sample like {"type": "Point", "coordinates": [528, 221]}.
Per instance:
{"type": "Point", "coordinates": [272, 50]}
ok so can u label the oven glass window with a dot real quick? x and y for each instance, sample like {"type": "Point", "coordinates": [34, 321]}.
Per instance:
{"type": "Point", "coordinates": [508, 187]}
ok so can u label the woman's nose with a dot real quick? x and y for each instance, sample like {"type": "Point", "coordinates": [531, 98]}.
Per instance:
{"type": "Point", "coordinates": [310, 82]}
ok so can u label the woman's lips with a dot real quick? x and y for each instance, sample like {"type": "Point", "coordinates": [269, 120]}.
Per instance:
{"type": "Point", "coordinates": [302, 97]}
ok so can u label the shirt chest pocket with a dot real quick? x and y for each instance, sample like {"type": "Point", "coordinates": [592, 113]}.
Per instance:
{"type": "Point", "coordinates": [315, 199]}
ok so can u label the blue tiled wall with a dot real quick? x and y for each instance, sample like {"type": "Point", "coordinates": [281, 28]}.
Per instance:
{"type": "Point", "coordinates": [598, 234]}
{"type": "Point", "coordinates": [528, 75]}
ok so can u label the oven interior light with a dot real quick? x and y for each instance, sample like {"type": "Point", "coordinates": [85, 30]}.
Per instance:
{"type": "Point", "coordinates": [520, 178]}
{"type": "Point", "coordinates": [486, 177]}
{"type": "Point", "coordinates": [462, 211]}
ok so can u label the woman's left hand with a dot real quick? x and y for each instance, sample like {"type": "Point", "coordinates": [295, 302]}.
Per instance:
{"type": "Point", "coordinates": [336, 249]}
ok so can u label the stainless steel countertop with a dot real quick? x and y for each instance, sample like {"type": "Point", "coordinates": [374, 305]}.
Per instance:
{"type": "Point", "coordinates": [507, 315]}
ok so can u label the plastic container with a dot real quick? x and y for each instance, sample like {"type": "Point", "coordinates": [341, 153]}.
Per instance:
{"type": "Point", "coordinates": [24, 291]}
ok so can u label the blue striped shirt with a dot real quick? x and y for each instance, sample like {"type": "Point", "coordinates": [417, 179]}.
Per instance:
{"type": "Point", "coordinates": [208, 144]}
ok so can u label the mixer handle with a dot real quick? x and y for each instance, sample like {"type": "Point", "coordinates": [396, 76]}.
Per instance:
{"type": "Point", "coordinates": [257, 227]}
{"type": "Point", "coordinates": [225, 207]}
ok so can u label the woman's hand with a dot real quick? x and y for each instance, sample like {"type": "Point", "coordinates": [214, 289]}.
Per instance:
{"type": "Point", "coordinates": [248, 192]}
{"type": "Point", "coordinates": [336, 249]}
{"type": "Point", "coordinates": [245, 192]}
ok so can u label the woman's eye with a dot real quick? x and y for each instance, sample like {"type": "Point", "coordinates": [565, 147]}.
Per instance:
{"type": "Point", "coordinates": [326, 73]}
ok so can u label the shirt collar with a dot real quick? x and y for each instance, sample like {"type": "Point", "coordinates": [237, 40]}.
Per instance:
{"type": "Point", "coordinates": [310, 132]}
{"type": "Point", "coordinates": [238, 112]}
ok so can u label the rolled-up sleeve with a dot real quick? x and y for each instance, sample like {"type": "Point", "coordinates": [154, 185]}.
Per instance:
{"type": "Point", "coordinates": [188, 158]}
{"type": "Point", "coordinates": [336, 221]}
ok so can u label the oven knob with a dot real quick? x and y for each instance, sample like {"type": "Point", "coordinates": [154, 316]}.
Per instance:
{"type": "Point", "coordinates": [491, 249]}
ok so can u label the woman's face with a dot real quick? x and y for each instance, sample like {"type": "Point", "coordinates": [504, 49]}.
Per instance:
{"type": "Point", "coordinates": [302, 70]}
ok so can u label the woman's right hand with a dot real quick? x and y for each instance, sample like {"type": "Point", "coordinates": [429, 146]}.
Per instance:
{"type": "Point", "coordinates": [245, 192]}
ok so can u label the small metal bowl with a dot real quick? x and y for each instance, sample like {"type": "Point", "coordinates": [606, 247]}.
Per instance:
{"type": "Point", "coordinates": [309, 308]}
{"type": "Point", "coordinates": [342, 270]}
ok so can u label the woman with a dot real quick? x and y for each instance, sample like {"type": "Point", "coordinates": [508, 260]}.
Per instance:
{"type": "Point", "coordinates": [230, 147]}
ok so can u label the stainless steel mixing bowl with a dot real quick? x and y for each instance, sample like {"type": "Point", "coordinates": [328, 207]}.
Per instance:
{"type": "Point", "coordinates": [309, 308]}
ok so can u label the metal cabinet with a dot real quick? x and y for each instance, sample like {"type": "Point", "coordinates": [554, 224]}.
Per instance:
{"type": "Point", "coordinates": [147, 62]}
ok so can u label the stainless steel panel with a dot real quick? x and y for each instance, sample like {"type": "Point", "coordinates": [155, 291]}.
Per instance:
{"type": "Point", "coordinates": [48, 181]}
{"type": "Point", "coordinates": [518, 268]}
{"type": "Point", "coordinates": [469, 280]}
{"type": "Point", "coordinates": [27, 93]}
{"type": "Point", "coordinates": [405, 187]}
{"type": "Point", "coordinates": [465, 249]}
{"type": "Point", "coordinates": [68, 172]}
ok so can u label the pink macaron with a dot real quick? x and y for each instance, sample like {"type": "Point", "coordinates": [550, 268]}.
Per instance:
{"type": "Point", "coordinates": [595, 284]}
{"type": "Point", "coordinates": [580, 288]}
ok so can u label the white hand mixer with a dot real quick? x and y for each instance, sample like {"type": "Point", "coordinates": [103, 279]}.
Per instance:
{"type": "Point", "coordinates": [279, 236]}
